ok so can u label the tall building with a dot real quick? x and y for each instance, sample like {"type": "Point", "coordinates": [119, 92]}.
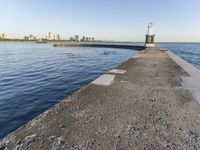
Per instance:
{"type": "Point", "coordinates": [3, 36]}
{"type": "Point", "coordinates": [58, 37]}
{"type": "Point", "coordinates": [76, 37]}
{"type": "Point", "coordinates": [26, 38]}
{"type": "Point", "coordinates": [83, 39]}
{"type": "Point", "coordinates": [51, 36]}
{"type": "Point", "coordinates": [31, 37]}
{"type": "Point", "coordinates": [87, 39]}
{"type": "Point", "coordinates": [71, 39]}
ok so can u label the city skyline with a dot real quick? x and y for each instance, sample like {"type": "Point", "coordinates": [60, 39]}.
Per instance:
{"type": "Point", "coordinates": [176, 20]}
{"type": "Point", "coordinates": [48, 37]}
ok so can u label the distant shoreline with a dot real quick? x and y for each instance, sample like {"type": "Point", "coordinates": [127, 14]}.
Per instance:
{"type": "Point", "coordinates": [22, 40]}
{"type": "Point", "coordinates": [18, 40]}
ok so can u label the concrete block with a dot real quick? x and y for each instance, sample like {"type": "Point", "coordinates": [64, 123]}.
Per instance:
{"type": "Point", "coordinates": [117, 71]}
{"type": "Point", "coordinates": [191, 82]}
{"type": "Point", "coordinates": [105, 79]}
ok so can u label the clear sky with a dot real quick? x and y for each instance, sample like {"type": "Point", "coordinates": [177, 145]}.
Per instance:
{"type": "Point", "coordinates": [122, 20]}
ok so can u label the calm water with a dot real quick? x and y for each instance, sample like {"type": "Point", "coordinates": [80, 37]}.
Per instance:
{"type": "Point", "coordinates": [188, 51]}
{"type": "Point", "coordinates": [33, 77]}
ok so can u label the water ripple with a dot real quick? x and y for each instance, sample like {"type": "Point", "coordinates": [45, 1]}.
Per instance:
{"type": "Point", "coordinates": [188, 51]}
{"type": "Point", "coordinates": [34, 77]}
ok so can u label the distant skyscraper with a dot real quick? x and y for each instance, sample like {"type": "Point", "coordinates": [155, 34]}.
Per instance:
{"type": "Point", "coordinates": [58, 37]}
{"type": "Point", "coordinates": [76, 37]}
{"type": "Point", "coordinates": [88, 39]}
{"type": "Point", "coordinates": [4, 36]}
{"type": "Point", "coordinates": [71, 39]}
{"type": "Point", "coordinates": [83, 39]}
{"type": "Point", "coordinates": [51, 36]}
{"type": "Point", "coordinates": [31, 37]}
{"type": "Point", "coordinates": [26, 38]}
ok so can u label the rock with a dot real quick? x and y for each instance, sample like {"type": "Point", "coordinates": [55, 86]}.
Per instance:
{"type": "Point", "coordinates": [2, 146]}
{"type": "Point", "coordinates": [51, 138]}
{"type": "Point", "coordinates": [152, 99]}
{"type": "Point", "coordinates": [61, 144]}
{"type": "Point", "coordinates": [27, 142]}
{"type": "Point", "coordinates": [99, 118]}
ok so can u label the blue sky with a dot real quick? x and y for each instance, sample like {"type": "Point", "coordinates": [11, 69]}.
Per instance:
{"type": "Point", "coordinates": [121, 20]}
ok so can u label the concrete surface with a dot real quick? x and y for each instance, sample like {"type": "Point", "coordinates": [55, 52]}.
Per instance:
{"type": "Point", "coordinates": [117, 71]}
{"type": "Point", "coordinates": [105, 79]}
{"type": "Point", "coordinates": [192, 81]}
{"type": "Point", "coordinates": [150, 45]}
{"type": "Point", "coordinates": [144, 109]}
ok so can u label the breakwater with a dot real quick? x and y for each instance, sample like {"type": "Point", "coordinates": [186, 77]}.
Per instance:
{"type": "Point", "coordinates": [133, 47]}
{"type": "Point", "coordinates": [141, 104]}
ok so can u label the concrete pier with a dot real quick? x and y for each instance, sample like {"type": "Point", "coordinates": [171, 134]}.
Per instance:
{"type": "Point", "coordinates": [141, 104]}
{"type": "Point", "coordinates": [133, 47]}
